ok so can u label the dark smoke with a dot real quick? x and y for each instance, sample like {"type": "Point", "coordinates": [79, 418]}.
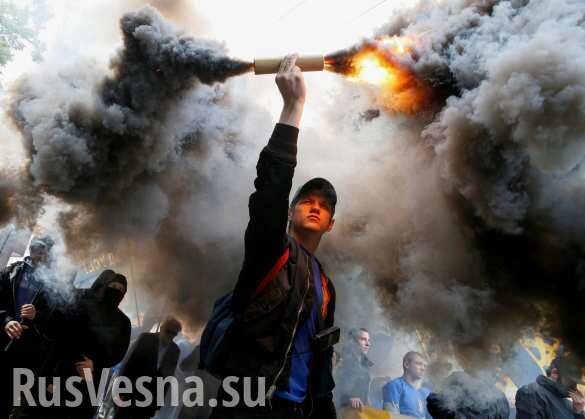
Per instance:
{"type": "Point", "coordinates": [128, 153]}
{"type": "Point", "coordinates": [488, 241]}
{"type": "Point", "coordinates": [109, 142]}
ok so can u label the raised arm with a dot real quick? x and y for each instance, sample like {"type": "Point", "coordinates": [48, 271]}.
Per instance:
{"type": "Point", "coordinates": [265, 238]}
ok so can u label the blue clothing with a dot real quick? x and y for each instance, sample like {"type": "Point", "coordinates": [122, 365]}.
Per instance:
{"type": "Point", "coordinates": [405, 399]}
{"type": "Point", "coordinates": [26, 291]}
{"type": "Point", "coordinates": [302, 350]}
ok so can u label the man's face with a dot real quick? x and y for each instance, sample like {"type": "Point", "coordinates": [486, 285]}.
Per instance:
{"type": "Point", "coordinates": [312, 213]}
{"type": "Point", "coordinates": [39, 255]}
{"type": "Point", "coordinates": [416, 367]}
{"type": "Point", "coordinates": [363, 341]}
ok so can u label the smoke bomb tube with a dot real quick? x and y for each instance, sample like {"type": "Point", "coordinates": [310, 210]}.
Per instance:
{"type": "Point", "coordinates": [305, 63]}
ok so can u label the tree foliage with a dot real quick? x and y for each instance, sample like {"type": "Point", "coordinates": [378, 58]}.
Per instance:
{"type": "Point", "coordinates": [20, 23]}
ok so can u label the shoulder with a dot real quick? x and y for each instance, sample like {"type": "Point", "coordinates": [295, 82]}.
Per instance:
{"type": "Point", "coordinates": [528, 392]}
{"type": "Point", "coordinates": [12, 268]}
{"type": "Point", "coordinates": [394, 385]}
{"type": "Point", "coordinates": [424, 391]}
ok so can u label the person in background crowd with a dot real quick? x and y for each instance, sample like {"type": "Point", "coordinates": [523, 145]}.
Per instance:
{"type": "Point", "coordinates": [353, 376]}
{"type": "Point", "coordinates": [464, 396]}
{"type": "Point", "coordinates": [153, 355]}
{"type": "Point", "coordinates": [406, 395]}
{"type": "Point", "coordinates": [94, 335]}
{"type": "Point", "coordinates": [554, 396]}
{"type": "Point", "coordinates": [24, 317]}
{"type": "Point", "coordinates": [211, 384]}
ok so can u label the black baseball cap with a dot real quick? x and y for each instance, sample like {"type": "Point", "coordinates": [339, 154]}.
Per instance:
{"type": "Point", "coordinates": [319, 185]}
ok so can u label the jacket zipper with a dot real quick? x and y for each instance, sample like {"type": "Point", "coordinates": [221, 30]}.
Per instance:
{"type": "Point", "coordinates": [272, 388]}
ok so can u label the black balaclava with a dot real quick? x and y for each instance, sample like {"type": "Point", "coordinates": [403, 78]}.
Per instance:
{"type": "Point", "coordinates": [108, 296]}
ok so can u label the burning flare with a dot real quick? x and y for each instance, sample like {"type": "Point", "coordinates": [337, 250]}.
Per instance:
{"type": "Point", "coordinates": [379, 63]}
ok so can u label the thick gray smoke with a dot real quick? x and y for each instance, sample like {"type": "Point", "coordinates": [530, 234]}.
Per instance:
{"type": "Point", "coordinates": [92, 138]}
{"type": "Point", "coordinates": [486, 239]}
{"type": "Point", "coordinates": [130, 150]}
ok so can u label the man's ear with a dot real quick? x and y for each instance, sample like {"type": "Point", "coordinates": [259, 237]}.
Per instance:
{"type": "Point", "coordinates": [331, 223]}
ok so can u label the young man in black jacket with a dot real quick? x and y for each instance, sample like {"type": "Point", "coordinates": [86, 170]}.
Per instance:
{"type": "Point", "coordinates": [24, 318]}
{"type": "Point", "coordinates": [283, 299]}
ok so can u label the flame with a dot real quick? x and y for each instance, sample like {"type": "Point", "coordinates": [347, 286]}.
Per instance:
{"type": "Point", "coordinates": [546, 350]}
{"type": "Point", "coordinates": [380, 63]}
{"type": "Point", "coordinates": [371, 68]}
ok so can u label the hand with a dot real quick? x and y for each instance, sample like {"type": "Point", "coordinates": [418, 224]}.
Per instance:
{"type": "Point", "coordinates": [84, 366]}
{"type": "Point", "coordinates": [356, 403]}
{"type": "Point", "coordinates": [14, 329]}
{"type": "Point", "coordinates": [578, 400]}
{"type": "Point", "coordinates": [28, 311]}
{"type": "Point", "coordinates": [291, 83]}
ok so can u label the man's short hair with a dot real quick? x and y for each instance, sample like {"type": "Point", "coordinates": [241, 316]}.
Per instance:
{"type": "Point", "coordinates": [44, 242]}
{"type": "Point", "coordinates": [409, 357]}
{"type": "Point", "coordinates": [353, 332]}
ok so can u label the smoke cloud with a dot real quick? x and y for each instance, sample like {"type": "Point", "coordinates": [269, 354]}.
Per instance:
{"type": "Point", "coordinates": [485, 242]}
{"type": "Point", "coordinates": [128, 152]}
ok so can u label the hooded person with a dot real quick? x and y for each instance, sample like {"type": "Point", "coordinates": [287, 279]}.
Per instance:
{"type": "Point", "coordinates": [96, 337]}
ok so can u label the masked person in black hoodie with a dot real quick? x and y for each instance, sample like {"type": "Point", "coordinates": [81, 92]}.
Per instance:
{"type": "Point", "coordinates": [96, 338]}
{"type": "Point", "coordinates": [554, 396]}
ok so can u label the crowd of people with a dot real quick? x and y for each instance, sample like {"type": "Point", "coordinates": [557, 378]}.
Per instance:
{"type": "Point", "coordinates": [63, 333]}
{"type": "Point", "coordinates": [459, 395]}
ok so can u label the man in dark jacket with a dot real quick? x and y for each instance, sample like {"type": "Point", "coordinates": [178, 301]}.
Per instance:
{"type": "Point", "coordinates": [190, 365]}
{"type": "Point", "coordinates": [353, 376]}
{"type": "Point", "coordinates": [277, 319]}
{"type": "Point", "coordinates": [153, 355]}
{"type": "Point", "coordinates": [24, 317]}
{"type": "Point", "coordinates": [554, 396]}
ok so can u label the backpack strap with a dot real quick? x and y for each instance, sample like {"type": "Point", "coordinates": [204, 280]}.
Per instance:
{"type": "Point", "coordinates": [273, 272]}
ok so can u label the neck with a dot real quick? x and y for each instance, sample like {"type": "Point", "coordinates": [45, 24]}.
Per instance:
{"type": "Point", "coordinates": [413, 381]}
{"type": "Point", "coordinates": [308, 240]}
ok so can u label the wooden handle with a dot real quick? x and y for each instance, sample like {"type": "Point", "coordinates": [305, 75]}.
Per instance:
{"type": "Point", "coordinates": [305, 63]}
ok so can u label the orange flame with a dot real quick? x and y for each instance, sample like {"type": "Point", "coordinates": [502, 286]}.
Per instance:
{"type": "Point", "coordinates": [377, 63]}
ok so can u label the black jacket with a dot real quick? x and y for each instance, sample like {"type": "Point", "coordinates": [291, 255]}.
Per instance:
{"type": "Point", "coordinates": [142, 360]}
{"type": "Point", "coordinates": [543, 399]}
{"type": "Point", "coordinates": [267, 322]}
{"type": "Point", "coordinates": [35, 338]}
{"type": "Point", "coordinates": [353, 378]}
